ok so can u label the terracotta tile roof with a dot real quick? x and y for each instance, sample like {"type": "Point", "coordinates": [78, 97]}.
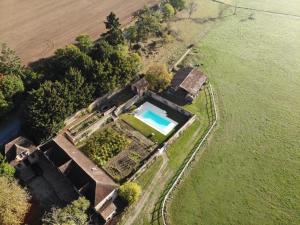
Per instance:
{"type": "Point", "coordinates": [104, 183]}
{"type": "Point", "coordinates": [107, 210]}
{"type": "Point", "coordinates": [189, 79]}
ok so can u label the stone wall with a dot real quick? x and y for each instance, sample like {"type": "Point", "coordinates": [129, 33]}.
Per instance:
{"type": "Point", "coordinates": [91, 129]}
{"type": "Point", "coordinates": [125, 106]}
{"type": "Point", "coordinates": [169, 103]}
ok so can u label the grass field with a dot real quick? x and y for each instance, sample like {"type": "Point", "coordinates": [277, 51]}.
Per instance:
{"type": "Point", "coordinates": [250, 172]}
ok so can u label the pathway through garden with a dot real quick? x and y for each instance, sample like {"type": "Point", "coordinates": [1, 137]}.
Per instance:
{"type": "Point", "coordinates": [147, 193]}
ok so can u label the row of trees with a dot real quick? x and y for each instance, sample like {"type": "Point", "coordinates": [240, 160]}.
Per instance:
{"type": "Point", "coordinates": [77, 74]}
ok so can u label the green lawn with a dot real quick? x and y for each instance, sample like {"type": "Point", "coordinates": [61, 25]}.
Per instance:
{"type": "Point", "coordinates": [250, 172]}
{"type": "Point", "coordinates": [143, 128]}
{"type": "Point", "coordinates": [146, 177]}
{"type": "Point", "coordinates": [146, 130]}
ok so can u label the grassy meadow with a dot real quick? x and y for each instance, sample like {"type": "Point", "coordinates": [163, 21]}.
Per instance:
{"type": "Point", "coordinates": [250, 172]}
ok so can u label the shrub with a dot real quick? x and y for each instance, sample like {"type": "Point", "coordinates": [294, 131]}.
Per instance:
{"type": "Point", "coordinates": [5, 168]}
{"type": "Point", "coordinates": [130, 192]}
{"type": "Point", "coordinates": [178, 4]}
{"type": "Point", "coordinates": [168, 10]}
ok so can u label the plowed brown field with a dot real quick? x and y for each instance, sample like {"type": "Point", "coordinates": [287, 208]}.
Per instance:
{"type": "Point", "coordinates": [35, 28]}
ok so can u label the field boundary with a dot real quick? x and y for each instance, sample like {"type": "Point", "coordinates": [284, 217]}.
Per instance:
{"type": "Point", "coordinates": [191, 158]}
{"type": "Point", "coordinates": [257, 10]}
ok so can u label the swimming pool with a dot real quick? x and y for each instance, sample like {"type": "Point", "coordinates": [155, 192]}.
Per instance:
{"type": "Point", "coordinates": [155, 118]}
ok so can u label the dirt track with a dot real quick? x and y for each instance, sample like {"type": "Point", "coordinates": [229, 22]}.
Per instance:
{"type": "Point", "coordinates": [35, 28]}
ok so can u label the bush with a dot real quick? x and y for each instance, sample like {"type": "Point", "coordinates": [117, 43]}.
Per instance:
{"type": "Point", "coordinates": [104, 145]}
{"type": "Point", "coordinates": [168, 10]}
{"type": "Point", "coordinates": [130, 192]}
{"type": "Point", "coordinates": [178, 4]}
{"type": "Point", "coordinates": [158, 77]}
{"type": "Point", "coordinates": [6, 169]}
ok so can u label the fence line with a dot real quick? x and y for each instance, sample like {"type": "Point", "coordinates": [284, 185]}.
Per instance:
{"type": "Point", "coordinates": [163, 208]}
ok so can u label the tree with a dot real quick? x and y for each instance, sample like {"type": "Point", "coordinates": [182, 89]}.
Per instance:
{"type": "Point", "coordinates": [9, 62]}
{"type": "Point", "coordinates": [168, 11]}
{"type": "Point", "coordinates": [130, 192]}
{"type": "Point", "coordinates": [49, 105]}
{"type": "Point", "coordinates": [158, 77]}
{"type": "Point", "coordinates": [79, 92]}
{"type": "Point", "coordinates": [192, 7]}
{"type": "Point", "coordinates": [84, 43]}
{"type": "Point", "coordinates": [114, 66]}
{"type": "Point", "coordinates": [178, 4]}
{"type": "Point", "coordinates": [72, 214]}
{"type": "Point", "coordinates": [11, 87]}
{"type": "Point", "coordinates": [68, 57]}
{"type": "Point", "coordinates": [114, 34]}
{"type": "Point", "coordinates": [6, 169]}
{"type": "Point", "coordinates": [148, 23]}
{"type": "Point", "coordinates": [131, 34]}
{"type": "Point", "coordinates": [13, 202]}
{"type": "Point", "coordinates": [46, 110]}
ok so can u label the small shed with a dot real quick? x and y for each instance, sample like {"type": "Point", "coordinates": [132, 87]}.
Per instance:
{"type": "Point", "coordinates": [140, 86]}
{"type": "Point", "coordinates": [190, 80]}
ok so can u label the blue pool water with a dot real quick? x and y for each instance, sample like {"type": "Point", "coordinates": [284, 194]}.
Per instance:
{"type": "Point", "coordinates": [155, 118]}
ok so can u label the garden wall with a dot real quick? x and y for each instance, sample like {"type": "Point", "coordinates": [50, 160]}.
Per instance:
{"type": "Point", "coordinates": [95, 104]}
{"type": "Point", "coordinates": [178, 132]}
{"type": "Point", "coordinates": [125, 106]}
{"type": "Point", "coordinates": [169, 103]}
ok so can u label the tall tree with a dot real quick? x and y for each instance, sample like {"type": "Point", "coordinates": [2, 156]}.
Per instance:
{"type": "Point", "coordinates": [68, 57]}
{"type": "Point", "coordinates": [131, 34]}
{"type": "Point", "coordinates": [84, 43]}
{"type": "Point", "coordinates": [10, 87]}
{"type": "Point", "coordinates": [79, 92]}
{"type": "Point", "coordinates": [72, 214]}
{"type": "Point", "coordinates": [46, 110]}
{"type": "Point", "coordinates": [114, 34]}
{"type": "Point", "coordinates": [10, 63]}
{"type": "Point", "coordinates": [148, 23]}
{"type": "Point", "coordinates": [13, 202]}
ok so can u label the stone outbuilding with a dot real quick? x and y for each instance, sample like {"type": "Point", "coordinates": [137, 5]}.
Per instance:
{"type": "Point", "coordinates": [140, 87]}
{"type": "Point", "coordinates": [18, 150]}
{"type": "Point", "coordinates": [189, 80]}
